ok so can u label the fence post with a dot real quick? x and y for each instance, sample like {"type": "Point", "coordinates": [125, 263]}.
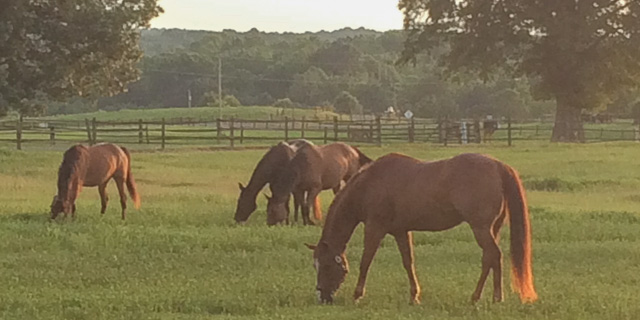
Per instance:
{"type": "Point", "coordinates": [52, 135]}
{"type": "Point", "coordinates": [326, 133]}
{"type": "Point", "coordinates": [88, 125]}
{"type": "Point", "coordinates": [445, 131]}
{"type": "Point", "coordinates": [411, 130]}
{"type": "Point", "coordinates": [163, 133]}
{"type": "Point", "coordinates": [140, 132]}
{"type": "Point", "coordinates": [302, 124]}
{"type": "Point", "coordinates": [379, 125]}
{"type": "Point", "coordinates": [439, 128]}
{"type": "Point", "coordinates": [509, 130]}
{"type": "Point", "coordinates": [19, 133]}
{"type": "Point", "coordinates": [241, 134]}
{"type": "Point", "coordinates": [231, 133]}
{"type": "Point", "coordinates": [286, 128]}
{"type": "Point", "coordinates": [335, 128]}
{"type": "Point", "coordinates": [146, 129]}
{"type": "Point", "coordinates": [94, 128]}
{"type": "Point", "coordinates": [218, 129]}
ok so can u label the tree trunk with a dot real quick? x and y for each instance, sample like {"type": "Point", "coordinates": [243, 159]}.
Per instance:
{"type": "Point", "coordinates": [568, 125]}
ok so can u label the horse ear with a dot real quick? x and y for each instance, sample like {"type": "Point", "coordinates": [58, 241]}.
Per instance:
{"type": "Point", "coordinates": [241, 186]}
{"type": "Point", "coordinates": [310, 246]}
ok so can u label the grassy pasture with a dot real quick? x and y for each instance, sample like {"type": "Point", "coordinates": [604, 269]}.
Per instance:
{"type": "Point", "coordinates": [245, 112]}
{"type": "Point", "coordinates": [182, 257]}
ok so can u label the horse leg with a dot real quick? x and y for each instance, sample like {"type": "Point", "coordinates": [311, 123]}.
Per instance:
{"type": "Point", "coordinates": [305, 210]}
{"type": "Point", "coordinates": [123, 196]}
{"type": "Point", "coordinates": [298, 199]}
{"type": "Point", "coordinates": [372, 238]}
{"type": "Point", "coordinates": [491, 259]}
{"type": "Point", "coordinates": [497, 271]}
{"type": "Point", "coordinates": [311, 202]}
{"type": "Point", "coordinates": [405, 245]}
{"type": "Point", "coordinates": [104, 198]}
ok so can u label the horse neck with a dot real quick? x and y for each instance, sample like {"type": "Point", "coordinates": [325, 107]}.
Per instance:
{"type": "Point", "coordinates": [71, 173]}
{"type": "Point", "coordinates": [69, 186]}
{"type": "Point", "coordinates": [283, 184]}
{"type": "Point", "coordinates": [339, 227]}
{"type": "Point", "coordinates": [269, 167]}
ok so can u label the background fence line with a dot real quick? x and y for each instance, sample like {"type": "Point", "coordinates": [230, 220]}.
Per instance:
{"type": "Point", "coordinates": [231, 132]}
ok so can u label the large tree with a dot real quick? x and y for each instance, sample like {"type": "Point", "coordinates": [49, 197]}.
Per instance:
{"type": "Point", "coordinates": [584, 52]}
{"type": "Point", "coordinates": [55, 49]}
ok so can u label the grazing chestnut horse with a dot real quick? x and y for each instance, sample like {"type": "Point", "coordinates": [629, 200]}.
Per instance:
{"type": "Point", "coordinates": [268, 169]}
{"type": "Point", "coordinates": [398, 194]}
{"type": "Point", "coordinates": [313, 169]}
{"type": "Point", "coordinates": [90, 167]}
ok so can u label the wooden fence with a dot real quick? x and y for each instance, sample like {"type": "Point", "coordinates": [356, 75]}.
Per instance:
{"type": "Point", "coordinates": [233, 132]}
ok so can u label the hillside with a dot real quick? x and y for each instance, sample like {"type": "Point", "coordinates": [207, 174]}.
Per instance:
{"type": "Point", "coordinates": [249, 113]}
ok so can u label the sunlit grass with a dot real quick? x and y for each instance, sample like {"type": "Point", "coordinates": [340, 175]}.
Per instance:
{"type": "Point", "coordinates": [182, 257]}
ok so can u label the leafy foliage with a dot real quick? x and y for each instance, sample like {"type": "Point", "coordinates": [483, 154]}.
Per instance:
{"type": "Point", "coordinates": [346, 103]}
{"type": "Point", "coordinates": [583, 52]}
{"type": "Point", "coordinates": [55, 49]}
{"type": "Point", "coordinates": [285, 103]}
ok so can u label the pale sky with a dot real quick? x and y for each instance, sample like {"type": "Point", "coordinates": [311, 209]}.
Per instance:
{"type": "Point", "coordinates": [279, 15]}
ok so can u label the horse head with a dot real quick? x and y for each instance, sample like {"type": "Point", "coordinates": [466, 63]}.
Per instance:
{"type": "Point", "coordinates": [245, 206]}
{"type": "Point", "coordinates": [277, 209]}
{"type": "Point", "coordinates": [331, 269]}
{"type": "Point", "coordinates": [59, 205]}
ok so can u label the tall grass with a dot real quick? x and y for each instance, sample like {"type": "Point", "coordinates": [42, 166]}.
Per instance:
{"type": "Point", "coordinates": [182, 257]}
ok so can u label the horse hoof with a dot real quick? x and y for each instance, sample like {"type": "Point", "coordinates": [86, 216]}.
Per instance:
{"type": "Point", "coordinates": [358, 294]}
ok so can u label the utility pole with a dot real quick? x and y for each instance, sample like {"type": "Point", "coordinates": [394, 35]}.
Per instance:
{"type": "Point", "coordinates": [219, 87]}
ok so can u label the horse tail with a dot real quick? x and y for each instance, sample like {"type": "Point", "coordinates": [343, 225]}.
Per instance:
{"type": "Point", "coordinates": [521, 269]}
{"type": "Point", "coordinates": [131, 183]}
{"type": "Point", "coordinates": [362, 158]}
{"type": "Point", "coordinates": [317, 210]}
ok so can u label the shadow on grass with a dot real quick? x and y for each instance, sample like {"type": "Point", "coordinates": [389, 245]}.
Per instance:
{"type": "Point", "coordinates": [26, 217]}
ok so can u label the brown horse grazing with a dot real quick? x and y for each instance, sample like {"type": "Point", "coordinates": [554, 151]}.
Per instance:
{"type": "Point", "coordinates": [268, 169]}
{"type": "Point", "coordinates": [90, 167]}
{"type": "Point", "coordinates": [398, 194]}
{"type": "Point", "coordinates": [313, 169]}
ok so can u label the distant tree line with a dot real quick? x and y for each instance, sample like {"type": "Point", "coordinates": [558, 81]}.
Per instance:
{"type": "Point", "coordinates": [353, 71]}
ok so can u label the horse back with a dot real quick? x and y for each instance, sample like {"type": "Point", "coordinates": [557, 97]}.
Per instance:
{"type": "Point", "coordinates": [105, 161]}
{"type": "Point", "coordinates": [408, 194]}
{"type": "Point", "coordinates": [332, 163]}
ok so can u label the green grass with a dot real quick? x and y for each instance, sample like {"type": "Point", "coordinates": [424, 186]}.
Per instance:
{"type": "Point", "coordinates": [245, 112]}
{"type": "Point", "coordinates": [182, 257]}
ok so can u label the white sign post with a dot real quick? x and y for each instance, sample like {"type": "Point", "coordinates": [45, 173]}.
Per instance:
{"type": "Point", "coordinates": [408, 114]}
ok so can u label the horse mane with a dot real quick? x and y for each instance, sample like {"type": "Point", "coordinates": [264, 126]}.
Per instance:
{"type": "Point", "coordinates": [72, 171]}
{"type": "Point", "coordinates": [343, 197]}
{"type": "Point", "coordinates": [270, 165]}
{"type": "Point", "coordinates": [362, 158]}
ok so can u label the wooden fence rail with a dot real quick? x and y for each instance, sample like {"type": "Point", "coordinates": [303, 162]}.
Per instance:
{"type": "Point", "coordinates": [230, 132]}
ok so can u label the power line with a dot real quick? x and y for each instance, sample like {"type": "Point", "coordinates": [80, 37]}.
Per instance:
{"type": "Point", "coordinates": [261, 79]}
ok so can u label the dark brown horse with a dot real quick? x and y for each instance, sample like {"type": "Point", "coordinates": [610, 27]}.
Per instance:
{"type": "Point", "coordinates": [90, 167]}
{"type": "Point", "coordinates": [398, 194]}
{"type": "Point", "coordinates": [268, 169]}
{"type": "Point", "coordinates": [313, 169]}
